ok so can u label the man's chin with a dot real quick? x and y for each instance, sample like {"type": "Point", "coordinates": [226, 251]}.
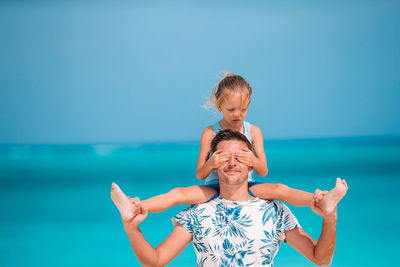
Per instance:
{"type": "Point", "coordinates": [234, 178]}
{"type": "Point", "coordinates": [231, 175]}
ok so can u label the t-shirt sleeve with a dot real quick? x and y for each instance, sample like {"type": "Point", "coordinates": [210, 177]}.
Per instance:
{"type": "Point", "coordinates": [288, 220]}
{"type": "Point", "coordinates": [184, 219]}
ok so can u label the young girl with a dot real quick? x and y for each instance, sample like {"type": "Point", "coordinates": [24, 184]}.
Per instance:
{"type": "Point", "coordinates": [232, 98]}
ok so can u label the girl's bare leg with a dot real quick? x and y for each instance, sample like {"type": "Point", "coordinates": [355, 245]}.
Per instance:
{"type": "Point", "coordinates": [186, 195]}
{"type": "Point", "coordinates": [301, 198]}
{"type": "Point", "coordinates": [283, 193]}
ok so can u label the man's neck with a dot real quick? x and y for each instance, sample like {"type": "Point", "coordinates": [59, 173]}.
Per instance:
{"type": "Point", "coordinates": [235, 192]}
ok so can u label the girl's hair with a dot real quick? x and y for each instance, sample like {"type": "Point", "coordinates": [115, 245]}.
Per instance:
{"type": "Point", "coordinates": [230, 82]}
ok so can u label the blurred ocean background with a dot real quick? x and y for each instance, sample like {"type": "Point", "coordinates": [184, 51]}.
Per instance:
{"type": "Point", "coordinates": [56, 208]}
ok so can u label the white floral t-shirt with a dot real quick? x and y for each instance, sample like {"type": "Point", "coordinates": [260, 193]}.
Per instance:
{"type": "Point", "coordinates": [237, 233]}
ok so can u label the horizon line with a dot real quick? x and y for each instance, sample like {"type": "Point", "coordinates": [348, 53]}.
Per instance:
{"type": "Point", "coordinates": [386, 137]}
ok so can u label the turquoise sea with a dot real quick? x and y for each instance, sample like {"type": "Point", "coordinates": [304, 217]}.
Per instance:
{"type": "Point", "coordinates": [56, 208]}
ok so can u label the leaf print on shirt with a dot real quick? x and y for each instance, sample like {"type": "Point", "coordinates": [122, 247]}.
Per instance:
{"type": "Point", "coordinates": [289, 223]}
{"type": "Point", "coordinates": [269, 210]}
{"type": "Point", "coordinates": [200, 262]}
{"type": "Point", "coordinates": [278, 222]}
{"type": "Point", "coordinates": [250, 242]}
{"type": "Point", "coordinates": [198, 230]}
{"type": "Point", "coordinates": [198, 241]}
{"type": "Point", "coordinates": [228, 221]}
{"type": "Point", "coordinates": [273, 237]}
{"type": "Point", "coordinates": [192, 220]}
{"type": "Point", "coordinates": [270, 248]}
{"type": "Point", "coordinates": [191, 216]}
{"type": "Point", "coordinates": [232, 255]}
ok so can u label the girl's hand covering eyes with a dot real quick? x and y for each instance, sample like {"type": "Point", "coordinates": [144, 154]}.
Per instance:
{"type": "Point", "coordinates": [218, 158]}
{"type": "Point", "coordinates": [245, 156]}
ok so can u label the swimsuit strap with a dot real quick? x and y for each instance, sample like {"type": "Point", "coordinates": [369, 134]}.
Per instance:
{"type": "Point", "coordinates": [247, 133]}
{"type": "Point", "coordinates": [217, 127]}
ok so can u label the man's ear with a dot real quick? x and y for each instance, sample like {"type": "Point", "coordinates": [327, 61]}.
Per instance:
{"type": "Point", "coordinates": [219, 108]}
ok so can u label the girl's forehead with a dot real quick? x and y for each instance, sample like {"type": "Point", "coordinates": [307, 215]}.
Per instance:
{"type": "Point", "coordinates": [232, 94]}
{"type": "Point", "coordinates": [235, 99]}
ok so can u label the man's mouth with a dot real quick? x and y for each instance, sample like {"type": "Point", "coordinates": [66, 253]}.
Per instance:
{"type": "Point", "coordinates": [231, 170]}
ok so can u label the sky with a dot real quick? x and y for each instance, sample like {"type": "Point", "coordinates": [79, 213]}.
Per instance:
{"type": "Point", "coordinates": [140, 71]}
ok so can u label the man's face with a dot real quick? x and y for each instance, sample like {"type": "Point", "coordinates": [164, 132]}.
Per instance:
{"type": "Point", "coordinates": [232, 172]}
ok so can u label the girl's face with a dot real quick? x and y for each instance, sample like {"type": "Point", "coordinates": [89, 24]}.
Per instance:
{"type": "Point", "coordinates": [232, 108]}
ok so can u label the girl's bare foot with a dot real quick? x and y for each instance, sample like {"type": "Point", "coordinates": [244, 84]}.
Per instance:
{"type": "Point", "coordinates": [328, 203]}
{"type": "Point", "coordinates": [127, 209]}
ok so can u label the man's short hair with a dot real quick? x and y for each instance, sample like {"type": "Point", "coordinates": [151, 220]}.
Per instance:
{"type": "Point", "coordinates": [226, 135]}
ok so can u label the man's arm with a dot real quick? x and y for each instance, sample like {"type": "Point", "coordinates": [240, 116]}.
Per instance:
{"type": "Point", "coordinates": [321, 252]}
{"type": "Point", "coordinates": [169, 249]}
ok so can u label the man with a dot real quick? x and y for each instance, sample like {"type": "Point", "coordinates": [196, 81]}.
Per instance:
{"type": "Point", "coordinates": [232, 229]}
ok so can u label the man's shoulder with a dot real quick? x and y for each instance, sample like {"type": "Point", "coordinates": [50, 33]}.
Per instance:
{"type": "Point", "coordinates": [195, 215]}
{"type": "Point", "coordinates": [218, 201]}
{"type": "Point", "coordinates": [272, 203]}
{"type": "Point", "coordinates": [255, 201]}
{"type": "Point", "coordinates": [279, 204]}
{"type": "Point", "coordinates": [282, 213]}
{"type": "Point", "coordinates": [275, 206]}
{"type": "Point", "coordinates": [199, 209]}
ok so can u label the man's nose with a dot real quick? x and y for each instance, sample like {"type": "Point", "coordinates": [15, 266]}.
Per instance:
{"type": "Point", "coordinates": [232, 159]}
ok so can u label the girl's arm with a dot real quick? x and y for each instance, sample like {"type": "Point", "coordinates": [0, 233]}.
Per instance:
{"type": "Point", "coordinates": [205, 164]}
{"type": "Point", "coordinates": [258, 160]}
